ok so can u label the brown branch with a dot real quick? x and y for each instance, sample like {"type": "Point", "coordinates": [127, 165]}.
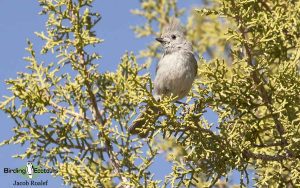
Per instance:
{"type": "Point", "coordinates": [256, 78]}
{"type": "Point", "coordinates": [263, 92]}
{"type": "Point", "coordinates": [247, 153]}
{"type": "Point", "coordinates": [70, 146]}
{"type": "Point", "coordinates": [99, 119]}
{"type": "Point", "coordinates": [117, 167]}
{"type": "Point", "coordinates": [69, 112]}
{"type": "Point", "coordinates": [97, 115]}
{"type": "Point", "coordinates": [270, 145]}
{"type": "Point", "coordinates": [94, 103]}
{"type": "Point", "coordinates": [264, 157]}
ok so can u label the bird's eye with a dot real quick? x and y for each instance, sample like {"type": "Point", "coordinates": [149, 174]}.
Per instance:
{"type": "Point", "coordinates": [173, 37]}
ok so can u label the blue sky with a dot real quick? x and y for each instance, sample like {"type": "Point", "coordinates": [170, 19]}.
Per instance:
{"type": "Point", "coordinates": [20, 19]}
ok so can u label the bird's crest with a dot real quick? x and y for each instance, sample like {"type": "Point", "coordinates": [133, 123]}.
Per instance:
{"type": "Point", "coordinates": [173, 25]}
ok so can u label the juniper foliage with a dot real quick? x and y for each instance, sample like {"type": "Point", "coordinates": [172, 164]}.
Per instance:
{"type": "Point", "coordinates": [73, 118]}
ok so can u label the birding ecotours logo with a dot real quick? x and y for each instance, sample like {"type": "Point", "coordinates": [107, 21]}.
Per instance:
{"type": "Point", "coordinates": [29, 171]}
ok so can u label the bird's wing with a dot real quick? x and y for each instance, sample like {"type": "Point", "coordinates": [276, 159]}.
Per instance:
{"type": "Point", "coordinates": [193, 62]}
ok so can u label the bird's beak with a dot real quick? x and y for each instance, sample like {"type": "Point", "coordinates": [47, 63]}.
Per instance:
{"type": "Point", "coordinates": [159, 39]}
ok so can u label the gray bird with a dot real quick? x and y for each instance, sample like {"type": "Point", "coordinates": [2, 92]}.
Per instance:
{"type": "Point", "coordinates": [175, 72]}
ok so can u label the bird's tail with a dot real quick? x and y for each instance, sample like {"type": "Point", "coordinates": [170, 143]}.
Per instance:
{"type": "Point", "coordinates": [138, 124]}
